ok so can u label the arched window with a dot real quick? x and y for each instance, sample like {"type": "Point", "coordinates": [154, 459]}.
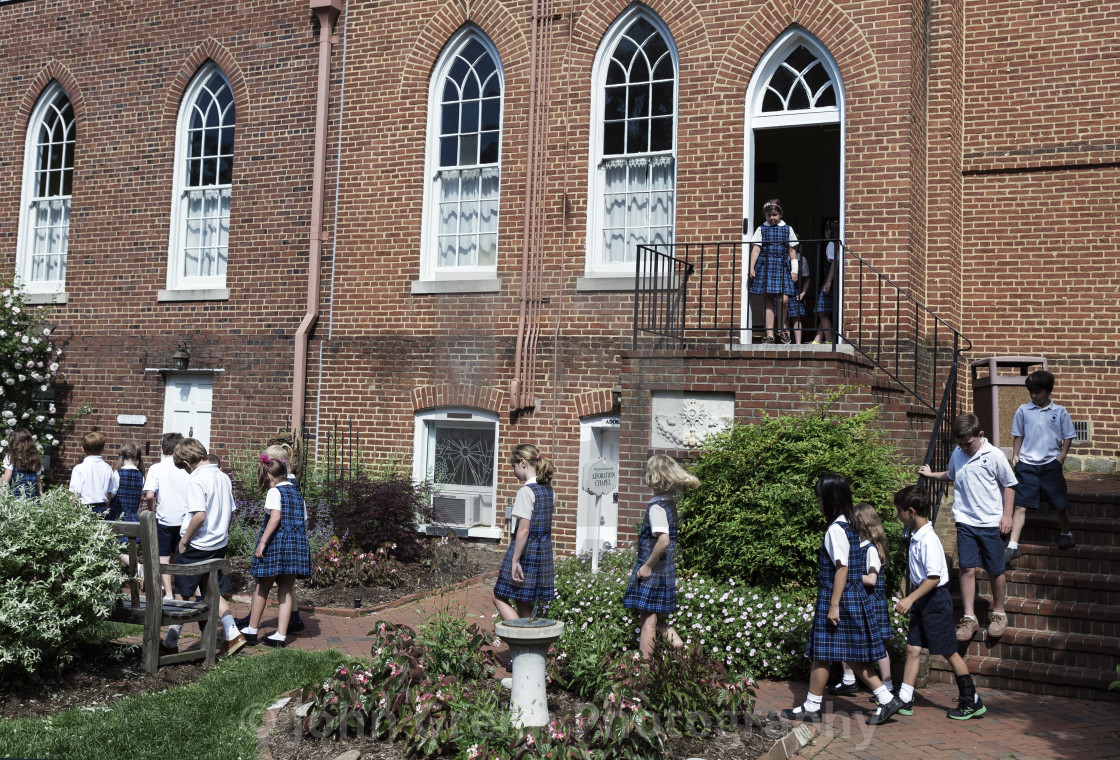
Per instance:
{"type": "Point", "coordinates": [48, 176]}
{"type": "Point", "coordinates": [199, 246]}
{"type": "Point", "coordinates": [460, 236]}
{"type": "Point", "coordinates": [633, 142]}
{"type": "Point", "coordinates": [797, 83]}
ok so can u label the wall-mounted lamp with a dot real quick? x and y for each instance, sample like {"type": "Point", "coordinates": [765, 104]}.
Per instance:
{"type": "Point", "coordinates": [616, 396]}
{"type": "Point", "coordinates": [181, 359]}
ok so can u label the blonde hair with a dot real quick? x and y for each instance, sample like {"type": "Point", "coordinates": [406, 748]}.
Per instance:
{"type": "Point", "coordinates": [131, 452]}
{"type": "Point", "coordinates": [189, 451]}
{"type": "Point", "coordinates": [865, 519]}
{"type": "Point", "coordinates": [286, 453]}
{"type": "Point", "coordinates": [665, 476]}
{"type": "Point", "coordinates": [527, 452]}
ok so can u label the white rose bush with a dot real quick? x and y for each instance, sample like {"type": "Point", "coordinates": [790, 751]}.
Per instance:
{"type": "Point", "coordinates": [28, 368]}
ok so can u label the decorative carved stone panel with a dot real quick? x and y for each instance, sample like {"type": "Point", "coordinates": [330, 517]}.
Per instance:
{"type": "Point", "coordinates": [683, 420]}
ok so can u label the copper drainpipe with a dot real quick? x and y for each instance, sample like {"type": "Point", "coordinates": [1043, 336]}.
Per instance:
{"type": "Point", "coordinates": [521, 391]}
{"type": "Point", "coordinates": [327, 12]}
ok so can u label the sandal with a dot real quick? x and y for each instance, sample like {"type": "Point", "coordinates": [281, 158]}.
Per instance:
{"type": "Point", "coordinates": [784, 336]}
{"type": "Point", "coordinates": [767, 339]}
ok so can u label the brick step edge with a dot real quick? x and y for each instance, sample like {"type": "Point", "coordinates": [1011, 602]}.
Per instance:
{"type": "Point", "coordinates": [1032, 678]}
{"type": "Point", "coordinates": [364, 611]}
{"type": "Point", "coordinates": [1067, 642]}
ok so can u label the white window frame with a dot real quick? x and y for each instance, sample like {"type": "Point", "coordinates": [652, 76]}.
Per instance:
{"type": "Point", "coordinates": [756, 119]}
{"type": "Point", "coordinates": [179, 285]}
{"type": "Point", "coordinates": [595, 267]}
{"type": "Point", "coordinates": [459, 278]}
{"type": "Point", "coordinates": [421, 448]}
{"type": "Point", "coordinates": [42, 290]}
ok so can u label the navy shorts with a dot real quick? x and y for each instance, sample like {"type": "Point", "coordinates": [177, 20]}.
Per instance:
{"type": "Point", "coordinates": [1040, 479]}
{"type": "Point", "coordinates": [169, 536]}
{"type": "Point", "coordinates": [980, 547]}
{"type": "Point", "coordinates": [931, 623]}
{"type": "Point", "coordinates": [186, 584]}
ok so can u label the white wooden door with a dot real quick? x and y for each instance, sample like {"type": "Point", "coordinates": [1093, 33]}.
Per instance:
{"type": "Point", "coordinates": [598, 438]}
{"type": "Point", "coordinates": [187, 406]}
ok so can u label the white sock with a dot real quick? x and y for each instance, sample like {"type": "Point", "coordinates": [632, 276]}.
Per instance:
{"type": "Point", "coordinates": [277, 637]}
{"type": "Point", "coordinates": [906, 692]}
{"type": "Point", "coordinates": [249, 631]}
{"type": "Point", "coordinates": [849, 679]}
{"type": "Point", "coordinates": [172, 637]}
{"type": "Point", "coordinates": [231, 627]}
{"type": "Point", "coordinates": [970, 617]}
{"type": "Point", "coordinates": [1068, 533]}
{"type": "Point", "coordinates": [1012, 544]}
{"type": "Point", "coordinates": [883, 695]}
{"type": "Point", "coordinates": [889, 684]}
{"type": "Point", "coordinates": [812, 703]}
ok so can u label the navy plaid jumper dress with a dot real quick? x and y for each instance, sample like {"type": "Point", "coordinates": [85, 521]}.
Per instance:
{"type": "Point", "coordinates": [659, 592]}
{"type": "Point", "coordinates": [536, 560]}
{"type": "Point", "coordinates": [287, 552]}
{"type": "Point", "coordinates": [772, 268]}
{"type": "Point", "coordinates": [857, 638]}
{"type": "Point", "coordinates": [797, 308]}
{"type": "Point", "coordinates": [24, 484]}
{"type": "Point", "coordinates": [877, 595]}
{"type": "Point", "coordinates": [126, 501]}
{"type": "Point", "coordinates": [824, 300]}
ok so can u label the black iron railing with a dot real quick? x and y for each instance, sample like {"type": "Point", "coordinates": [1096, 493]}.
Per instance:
{"type": "Point", "coordinates": [696, 293]}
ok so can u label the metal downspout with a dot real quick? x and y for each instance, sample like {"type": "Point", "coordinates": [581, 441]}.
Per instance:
{"type": "Point", "coordinates": [327, 12]}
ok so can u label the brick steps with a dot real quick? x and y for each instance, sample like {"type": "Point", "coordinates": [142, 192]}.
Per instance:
{"type": "Point", "coordinates": [1099, 653]}
{"type": "Point", "coordinates": [1090, 531]}
{"type": "Point", "coordinates": [1080, 559]}
{"type": "Point", "coordinates": [1045, 616]}
{"type": "Point", "coordinates": [1032, 678]}
{"type": "Point", "coordinates": [1057, 586]}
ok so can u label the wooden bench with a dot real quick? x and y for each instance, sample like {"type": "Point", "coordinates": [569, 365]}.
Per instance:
{"type": "Point", "coordinates": [153, 611]}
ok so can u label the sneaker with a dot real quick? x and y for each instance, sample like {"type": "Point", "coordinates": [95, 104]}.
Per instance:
{"type": "Point", "coordinates": [997, 624]}
{"type": "Point", "coordinates": [767, 339]}
{"type": "Point", "coordinates": [967, 627]}
{"type": "Point", "coordinates": [1065, 541]}
{"type": "Point", "coordinates": [967, 708]}
{"type": "Point", "coordinates": [801, 714]}
{"type": "Point", "coordinates": [231, 646]}
{"type": "Point", "coordinates": [1010, 555]}
{"type": "Point", "coordinates": [843, 689]}
{"type": "Point", "coordinates": [784, 336]}
{"type": "Point", "coordinates": [907, 708]}
{"type": "Point", "coordinates": [295, 625]}
{"type": "Point", "coordinates": [884, 712]}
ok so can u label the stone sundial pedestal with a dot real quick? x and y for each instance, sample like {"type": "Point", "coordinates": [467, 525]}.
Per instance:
{"type": "Point", "coordinates": [529, 640]}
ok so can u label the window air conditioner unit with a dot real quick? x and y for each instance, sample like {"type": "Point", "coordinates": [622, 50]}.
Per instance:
{"type": "Point", "coordinates": [462, 510]}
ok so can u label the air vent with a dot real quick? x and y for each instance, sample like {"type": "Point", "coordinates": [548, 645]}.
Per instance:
{"type": "Point", "coordinates": [1081, 429]}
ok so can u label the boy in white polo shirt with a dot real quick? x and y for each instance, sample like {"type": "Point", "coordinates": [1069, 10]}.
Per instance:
{"type": "Point", "coordinates": [1042, 432]}
{"type": "Point", "coordinates": [204, 535]}
{"type": "Point", "coordinates": [93, 481]}
{"type": "Point", "coordinates": [929, 606]}
{"type": "Point", "coordinates": [983, 501]}
{"type": "Point", "coordinates": [165, 491]}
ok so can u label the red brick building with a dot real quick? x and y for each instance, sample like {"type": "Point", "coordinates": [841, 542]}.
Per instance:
{"type": "Point", "coordinates": [447, 255]}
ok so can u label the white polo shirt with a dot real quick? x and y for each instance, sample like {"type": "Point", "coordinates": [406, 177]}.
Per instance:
{"type": "Point", "coordinates": [977, 481]}
{"type": "Point", "coordinates": [1043, 430]}
{"type": "Point", "coordinates": [836, 542]}
{"type": "Point", "coordinates": [93, 480]}
{"type": "Point", "coordinates": [170, 485]}
{"type": "Point", "coordinates": [210, 492]}
{"type": "Point", "coordinates": [927, 557]}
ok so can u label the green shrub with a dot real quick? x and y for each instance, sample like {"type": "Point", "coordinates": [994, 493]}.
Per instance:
{"type": "Point", "coordinates": [60, 570]}
{"type": "Point", "coordinates": [755, 516]}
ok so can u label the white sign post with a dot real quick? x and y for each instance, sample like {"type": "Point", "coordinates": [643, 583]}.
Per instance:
{"type": "Point", "coordinates": [599, 477]}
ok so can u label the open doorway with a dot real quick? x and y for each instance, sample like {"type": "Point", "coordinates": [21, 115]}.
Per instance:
{"type": "Point", "coordinates": [795, 152]}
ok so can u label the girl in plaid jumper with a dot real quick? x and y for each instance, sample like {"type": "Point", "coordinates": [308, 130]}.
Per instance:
{"type": "Point", "coordinates": [844, 627]}
{"type": "Point", "coordinates": [653, 583]}
{"type": "Point", "coordinates": [23, 466]}
{"type": "Point", "coordinates": [282, 553]}
{"type": "Point", "coordinates": [526, 573]}
{"type": "Point", "coordinates": [773, 268]}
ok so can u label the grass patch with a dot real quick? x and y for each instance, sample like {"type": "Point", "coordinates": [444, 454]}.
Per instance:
{"type": "Point", "coordinates": [215, 717]}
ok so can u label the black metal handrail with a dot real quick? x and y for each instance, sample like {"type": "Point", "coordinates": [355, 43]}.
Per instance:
{"type": "Point", "coordinates": [696, 291]}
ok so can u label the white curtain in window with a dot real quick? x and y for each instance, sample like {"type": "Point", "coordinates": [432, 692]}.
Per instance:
{"type": "Point", "coordinates": [49, 239]}
{"type": "Point", "coordinates": [206, 243]}
{"type": "Point", "coordinates": [468, 217]}
{"type": "Point", "coordinates": [638, 205]}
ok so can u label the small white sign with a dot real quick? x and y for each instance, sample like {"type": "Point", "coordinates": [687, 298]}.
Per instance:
{"type": "Point", "coordinates": [600, 477]}
{"type": "Point", "coordinates": [131, 419]}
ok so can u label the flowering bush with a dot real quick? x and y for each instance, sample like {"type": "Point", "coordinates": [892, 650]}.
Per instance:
{"type": "Point", "coordinates": [60, 570]}
{"type": "Point", "coordinates": [28, 366]}
{"type": "Point", "coordinates": [332, 565]}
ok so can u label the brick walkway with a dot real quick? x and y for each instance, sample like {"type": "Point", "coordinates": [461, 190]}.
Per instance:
{"type": "Point", "coordinates": [1020, 726]}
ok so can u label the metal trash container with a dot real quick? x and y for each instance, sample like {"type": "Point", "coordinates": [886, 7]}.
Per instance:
{"type": "Point", "coordinates": [997, 395]}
